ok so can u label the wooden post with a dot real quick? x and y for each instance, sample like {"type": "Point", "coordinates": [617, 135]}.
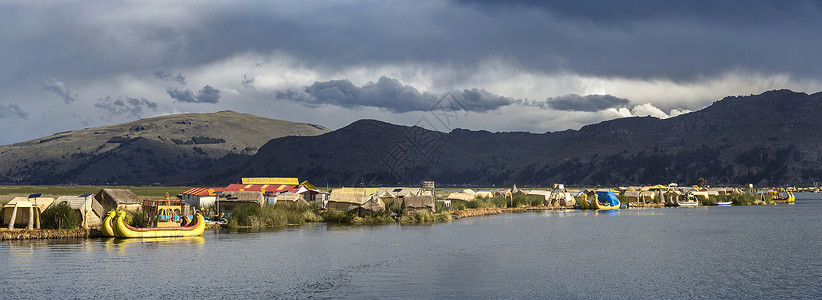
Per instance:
{"type": "Point", "coordinates": [13, 217]}
{"type": "Point", "coordinates": [37, 218]}
{"type": "Point", "coordinates": [30, 226]}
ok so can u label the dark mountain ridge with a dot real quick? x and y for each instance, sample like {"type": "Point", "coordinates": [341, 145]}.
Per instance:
{"type": "Point", "coordinates": [765, 139]}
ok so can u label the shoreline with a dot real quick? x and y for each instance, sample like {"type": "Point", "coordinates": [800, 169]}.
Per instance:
{"type": "Point", "coordinates": [25, 234]}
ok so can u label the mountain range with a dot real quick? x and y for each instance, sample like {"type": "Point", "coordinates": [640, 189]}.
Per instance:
{"type": "Point", "coordinates": [767, 139]}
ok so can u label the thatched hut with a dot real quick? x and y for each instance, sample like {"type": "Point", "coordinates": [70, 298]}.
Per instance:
{"type": "Point", "coordinates": [460, 197]}
{"type": "Point", "coordinates": [539, 195]}
{"type": "Point", "coordinates": [288, 197]}
{"type": "Point", "coordinates": [119, 199]}
{"type": "Point", "coordinates": [640, 196]}
{"type": "Point", "coordinates": [725, 191]}
{"type": "Point", "coordinates": [411, 204]}
{"type": "Point", "coordinates": [391, 196]}
{"type": "Point", "coordinates": [25, 211]}
{"type": "Point", "coordinates": [371, 206]}
{"type": "Point", "coordinates": [345, 199]}
{"type": "Point", "coordinates": [229, 200]}
{"type": "Point", "coordinates": [89, 211]}
{"type": "Point", "coordinates": [515, 192]}
{"type": "Point", "coordinates": [561, 198]}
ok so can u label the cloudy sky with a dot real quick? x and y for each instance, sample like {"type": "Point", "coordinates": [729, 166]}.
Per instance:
{"type": "Point", "coordinates": [521, 66]}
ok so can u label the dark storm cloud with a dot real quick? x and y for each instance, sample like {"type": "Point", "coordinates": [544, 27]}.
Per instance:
{"type": "Point", "coordinates": [390, 94]}
{"type": "Point", "coordinates": [206, 95]}
{"type": "Point", "coordinates": [59, 88]}
{"type": "Point", "coordinates": [626, 11]}
{"type": "Point", "coordinates": [678, 40]}
{"type": "Point", "coordinates": [165, 74]}
{"type": "Point", "coordinates": [125, 106]}
{"type": "Point", "coordinates": [12, 110]}
{"type": "Point", "coordinates": [574, 102]}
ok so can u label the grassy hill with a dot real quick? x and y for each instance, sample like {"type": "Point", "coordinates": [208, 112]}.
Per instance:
{"type": "Point", "coordinates": [163, 150]}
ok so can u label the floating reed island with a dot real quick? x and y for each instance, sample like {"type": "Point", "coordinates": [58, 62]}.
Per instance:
{"type": "Point", "coordinates": [279, 202]}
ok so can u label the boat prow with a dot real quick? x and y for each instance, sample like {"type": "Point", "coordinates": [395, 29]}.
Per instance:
{"type": "Point", "coordinates": [107, 228]}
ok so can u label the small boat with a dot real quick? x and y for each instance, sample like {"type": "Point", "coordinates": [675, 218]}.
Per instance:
{"type": "Point", "coordinates": [605, 200]}
{"type": "Point", "coordinates": [781, 196]}
{"type": "Point", "coordinates": [686, 200]}
{"type": "Point", "coordinates": [723, 203]}
{"type": "Point", "coordinates": [119, 228]}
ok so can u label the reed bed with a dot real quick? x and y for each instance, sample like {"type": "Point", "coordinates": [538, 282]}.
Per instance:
{"type": "Point", "coordinates": [425, 217]}
{"type": "Point", "coordinates": [255, 216]}
{"type": "Point", "coordinates": [23, 234]}
{"type": "Point", "coordinates": [483, 211]}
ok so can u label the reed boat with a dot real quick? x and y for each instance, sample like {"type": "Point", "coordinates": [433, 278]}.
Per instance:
{"type": "Point", "coordinates": [782, 196]}
{"type": "Point", "coordinates": [686, 200]}
{"type": "Point", "coordinates": [123, 230]}
{"type": "Point", "coordinates": [107, 228]}
{"type": "Point", "coordinates": [605, 200]}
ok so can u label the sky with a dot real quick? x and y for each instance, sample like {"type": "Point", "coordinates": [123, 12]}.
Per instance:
{"type": "Point", "coordinates": [533, 66]}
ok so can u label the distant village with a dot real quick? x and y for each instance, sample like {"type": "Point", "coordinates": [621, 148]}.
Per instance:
{"type": "Point", "coordinates": [24, 212]}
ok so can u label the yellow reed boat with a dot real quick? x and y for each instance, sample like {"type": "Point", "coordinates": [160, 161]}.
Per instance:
{"type": "Point", "coordinates": [605, 200]}
{"type": "Point", "coordinates": [119, 228]}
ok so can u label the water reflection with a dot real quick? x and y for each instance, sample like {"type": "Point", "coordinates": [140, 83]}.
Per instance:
{"type": "Point", "coordinates": [157, 242]}
{"type": "Point", "coordinates": [760, 251]}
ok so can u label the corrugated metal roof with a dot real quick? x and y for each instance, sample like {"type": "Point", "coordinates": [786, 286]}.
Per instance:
{"type": "Point", "coordinates": [201, 191]}
{"type": "Point", "coordinates": [270, 180]}
{"type": "Point", "coordinates": [262, 188]}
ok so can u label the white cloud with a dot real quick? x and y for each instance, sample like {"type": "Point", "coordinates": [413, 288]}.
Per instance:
{"type": "Point", "coordinates": [648, 110]}
{"type": "Point", "coordinates": [676, 112]}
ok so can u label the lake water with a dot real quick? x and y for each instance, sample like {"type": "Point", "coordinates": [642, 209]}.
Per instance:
{"type": "Point", "coordinates": [703, 252]}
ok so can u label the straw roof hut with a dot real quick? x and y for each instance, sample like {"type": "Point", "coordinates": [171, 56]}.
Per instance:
{"type": "Point", "coordinates": [288, 197]}
{"type": "Point", "coordinates": [484, 194]}
{"type": "Point", "coordinates": [540, 195]}
{"type": "Point", "coordinates": [725, 191]}
{"type": "Point", "coordinates": [411, 204]}
{"type": "Point", "coordinates": [394, 195]}
{"type": "Point", "coordinates": [86, 207]}
{"type": "Point", "coordinates": [460, 196]}
{"type": "Point", "coordinates": [119, 199]}
{"type": "Point", "coordinates": [562, 198]}
{"type": "Point", "coordinates": [345, 199]}
{"type": "Point", "coordinates": [229, 200]}
{"type": "Point", "coordinates": [371, 206]}
{"type": "Point", "coordinates": [515, 192]}
{"type": "Point", "coordinates": [21, 214]}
